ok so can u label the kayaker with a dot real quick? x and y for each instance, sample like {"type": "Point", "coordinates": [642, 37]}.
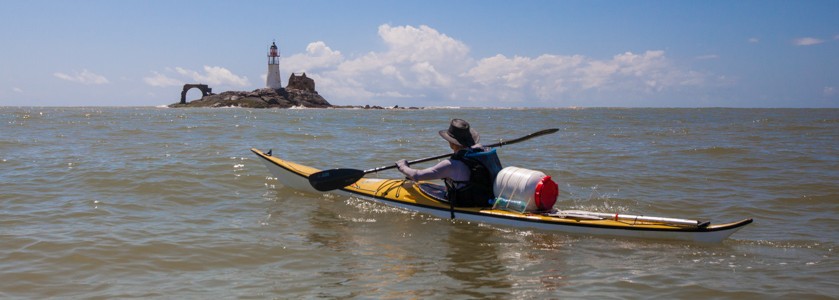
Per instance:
{"type": "Point", "coordinates": [470, 172]}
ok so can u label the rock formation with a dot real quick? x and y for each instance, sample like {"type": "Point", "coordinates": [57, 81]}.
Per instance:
{"type": "Point", "coordinates": [301, 83]}
{"type": "Point", "coordinates": [300, 92]}
{"type": "Point", "coordinates": [261, 98]}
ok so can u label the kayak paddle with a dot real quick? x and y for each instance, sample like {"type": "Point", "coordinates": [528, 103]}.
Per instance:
{"type": "Point", "coordinates": [328, 180]}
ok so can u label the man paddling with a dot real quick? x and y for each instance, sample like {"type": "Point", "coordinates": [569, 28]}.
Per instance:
{"type": "Point", "coordinates": [468, 174]}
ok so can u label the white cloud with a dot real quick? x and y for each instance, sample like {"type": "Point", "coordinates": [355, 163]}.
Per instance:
{"type": "Point", "coordinates": [549, 77]}
{"type": "Point", "coordinates": [85, 77]}
{"type": "Point", "coordinates": [161, 80]}
{"type": "Point", "coordinates": [417, 61]}
{"type": "Point", "coordinates": [17, 90]}
{"type": "Point", "coordinates": [754, 40]}
{"type": "Point", "coordinates": [807, 41]}
{"type": "Point", "coordinates": [829, 91]}
{"type": "Point", "coordinates": [422, 65]}
{"type": "Point", "coordinates": [317, 56]}
{"type": "Point", "coordinates": [423, 44]}
{"type": "Point", "coordinates": [214, 76]}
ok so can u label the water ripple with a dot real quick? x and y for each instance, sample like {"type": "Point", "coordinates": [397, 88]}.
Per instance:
{"type": "Point", "coordinates": [166, 203]}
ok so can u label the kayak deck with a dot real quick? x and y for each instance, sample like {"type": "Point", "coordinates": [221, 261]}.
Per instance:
{"type": "Point", "coordinates": [425, 197]}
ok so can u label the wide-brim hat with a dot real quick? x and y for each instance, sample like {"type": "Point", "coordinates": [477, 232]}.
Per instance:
{"type": "Point", "coordinates": [460, 133]}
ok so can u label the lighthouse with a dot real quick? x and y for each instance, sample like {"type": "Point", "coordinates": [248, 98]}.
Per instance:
{"type": "Point", "coordinates": [273, 81]}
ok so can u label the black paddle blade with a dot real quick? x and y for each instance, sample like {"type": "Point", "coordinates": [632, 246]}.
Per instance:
{"type": "Point", "coordinates": [334, 179]}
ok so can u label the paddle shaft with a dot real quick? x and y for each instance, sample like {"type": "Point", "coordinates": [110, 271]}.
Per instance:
{"type": "Point", "coordinates": [499, 144]}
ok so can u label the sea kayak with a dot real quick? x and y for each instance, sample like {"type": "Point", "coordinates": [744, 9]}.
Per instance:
{"type": "Point", "coordinates": [427, 197]}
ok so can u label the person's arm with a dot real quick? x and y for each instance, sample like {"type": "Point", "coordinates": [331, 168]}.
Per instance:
{"type": "Point", "coordinates": [439, 171]}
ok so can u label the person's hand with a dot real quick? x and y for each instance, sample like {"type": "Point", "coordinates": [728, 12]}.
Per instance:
{"type": "Point", "coordinates": [402, 163]}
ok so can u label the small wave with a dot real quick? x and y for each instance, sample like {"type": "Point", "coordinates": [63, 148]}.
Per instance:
{"type": "Point", "coordinates": [444, 107]}
{"type": "Point", "coordinates": [789, 244]}
{"type": "Point", "coordinates": [807, 201]}
{"type": "Point", "coordinates": [796, 128]}
{"type": "Point", "coordinates": [716, 150]}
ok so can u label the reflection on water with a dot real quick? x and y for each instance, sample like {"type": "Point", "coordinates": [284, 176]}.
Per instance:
{"type": "Point", "coordinates": [472, 259]}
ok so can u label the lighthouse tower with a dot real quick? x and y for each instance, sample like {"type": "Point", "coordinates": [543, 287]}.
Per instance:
{"type": "Point", "coordinates": [273, 81]}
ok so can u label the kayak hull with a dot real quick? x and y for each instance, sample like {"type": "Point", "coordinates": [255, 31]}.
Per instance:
{"type": "Point", "coordinates": [408, 195]}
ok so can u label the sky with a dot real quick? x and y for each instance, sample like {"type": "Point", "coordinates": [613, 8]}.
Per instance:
{"type": "Point", "coordinates": [427, 53]}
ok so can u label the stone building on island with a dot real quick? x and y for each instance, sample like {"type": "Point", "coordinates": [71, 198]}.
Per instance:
{"type": "Point", "coordinates": [301, 83]}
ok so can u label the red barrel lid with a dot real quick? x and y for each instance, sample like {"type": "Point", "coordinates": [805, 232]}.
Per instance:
{"type": "Point", "coordinates": [546, 193]}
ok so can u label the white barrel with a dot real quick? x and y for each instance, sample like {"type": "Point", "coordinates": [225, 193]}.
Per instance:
{"type": "Point", "coordinates": [521, 185]}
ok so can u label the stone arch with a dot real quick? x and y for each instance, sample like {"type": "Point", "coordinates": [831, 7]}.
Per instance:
{"type": "Point", "coordinates": [205, 90]}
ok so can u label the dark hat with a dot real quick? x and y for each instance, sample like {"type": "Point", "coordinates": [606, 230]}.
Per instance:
{"type": "Point", "coordinates": [460, 133]}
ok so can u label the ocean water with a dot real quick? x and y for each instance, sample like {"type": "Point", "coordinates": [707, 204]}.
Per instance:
{"type": "Point", "coordinates": [170, 203]}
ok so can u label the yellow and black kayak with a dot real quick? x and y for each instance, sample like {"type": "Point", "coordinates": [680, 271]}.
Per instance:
{"type": "Point", "coordinates": [427, 197]}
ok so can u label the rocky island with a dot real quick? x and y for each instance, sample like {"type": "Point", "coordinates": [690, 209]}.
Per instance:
{"type": "Point", "coordinates": [300, 92]}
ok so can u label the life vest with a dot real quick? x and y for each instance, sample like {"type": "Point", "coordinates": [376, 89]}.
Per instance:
{"type": "Point", "coordinates": [484, 166]}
